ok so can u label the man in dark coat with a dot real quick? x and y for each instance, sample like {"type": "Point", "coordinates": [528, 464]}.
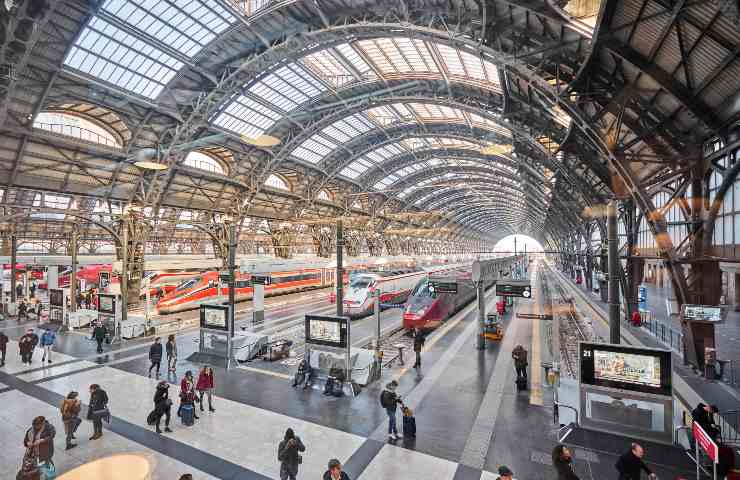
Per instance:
{"type": "Point", "coordinates": [630, 464]}
{"type": "Point", "coordinates": [155, 355]}
{"type": "Point", "coordinates": [519, 354]}
{"type": "Point", "coordinates": [704, 416]}
{"type": "Point", "coordinates": [99, 333]}
{"type": "Point", "coordinates": [419, 340]}
{"type": "Point", "coordinates": [26, 346]}
{"type": "Point", "coordinates": [163, 405]}
{"type": "Point", "coordinates": [3, 347]}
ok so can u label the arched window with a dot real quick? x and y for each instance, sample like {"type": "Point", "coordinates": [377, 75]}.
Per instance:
{"type": "Point", "coordinates": [324, 195]}
{"type": "Point", "coordinates": [76, 127]}
{"type": "Point", "coordinates": [205, 162]}
{"type": "Point", "coordinates": [276, 182]}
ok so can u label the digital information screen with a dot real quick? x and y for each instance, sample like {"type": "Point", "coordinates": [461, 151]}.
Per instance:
{"type": "Point", "coordinates": [702, 313]}
{"type": "Point", "coordinates": [514, 288]}
{"type": "Point", "coordinates": [214, 317]}
{"type": "Point", "coordinates": [107, 304]}
{"type": "Point", "coordinates": [637, 369]}
{"type": "Point", "coordinates": [56, 297]}
{"type": "Point", "coordinates": [326, 330]}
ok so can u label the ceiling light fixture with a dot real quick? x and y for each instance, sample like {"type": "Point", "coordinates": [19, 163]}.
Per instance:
{"type": "Point", "coordinates": [152, 166]}
{"type": "Point", "coordinates": [263, 141]}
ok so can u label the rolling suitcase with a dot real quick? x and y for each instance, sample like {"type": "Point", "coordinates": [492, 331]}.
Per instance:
{"type": "Point", "coordinates": [187, 415]}
{"type": "Point", "coordinates": [409, 423]}
{"type": "Point", "coordinates": [329, 386]}
{"type": "Point", "coordinates": [521, 384]}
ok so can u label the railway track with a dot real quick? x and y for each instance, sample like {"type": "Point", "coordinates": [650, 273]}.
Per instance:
{"type": "Point", "coordinates": [571, 327]}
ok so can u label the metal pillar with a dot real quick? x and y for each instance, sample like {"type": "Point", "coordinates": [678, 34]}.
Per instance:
{"type": "Point", "coordinates": [340, 269]}
{"type": "Point", "coordinates": [481, 296]}
{"type": "Point", "coordinates": [232, 297]}
{"type": "Point", "coordinates": [124, 274]}
{"type": "Point", "coordinates": [13, 272]}
{"type": "Point", "coordinates": [613, 248]}
{"type": "Point", "coordinates": [73, 273]}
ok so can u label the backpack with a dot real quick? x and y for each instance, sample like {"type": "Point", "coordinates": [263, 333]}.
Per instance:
{"type": "Point", "coordinates": [385, 399]}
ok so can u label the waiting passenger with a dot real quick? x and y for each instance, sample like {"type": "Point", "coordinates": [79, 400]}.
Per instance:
{"type": "Point", "coordinates": [630, 464]}
{"type": "Point", "coordinates": [22, 309]}
{"type": "Point", "coordinates": [419, 340]}
{"type": "Point", "coordinates": [519, 354]}
{"type": "Point", "coordinates": [162, 405]}
{"type": "Point", "coordinates": [98, 410]}
{"type": "Point", "coordinates": [39, 440]}
{"type": "Point", "coordinates": [70, 410]}
{"type": "Point", "coordinates": [99, 334]}
{"type": "Point", "coordinates": [303, 375]}
{"type": "Point", "coordinates": [289, 455]}
{"type": "Point", "coordinates": [205, 386]}
{"type": "Point", "coordinates": [390, 400]}
{"type": "Point", "coordinates": [562, 460]}
{"type": "Point", "coordinates": [26, 346]}
{"type": "Point", "coordinates": [187, 393]}
{"type": "Point", "coordinates": [636, 318]}
{"type": "Point", "coordinates": [335, 471]}
{"type": "Point", "coordinates": [47, 343]}
{"type": "Point", "coordinates": [3, 348]}
{"type": "Point", "coordinates": [171, 348]}
{"type": "Point", "coordinates": [155, 356]}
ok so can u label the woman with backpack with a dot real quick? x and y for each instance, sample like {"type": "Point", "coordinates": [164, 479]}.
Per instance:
{"type": "Point", "coordinates": [289, 455]}
{"type": "Point", "coordinates": [70, 410]}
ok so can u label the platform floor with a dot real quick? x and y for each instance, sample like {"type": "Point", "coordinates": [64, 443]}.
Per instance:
{"type": "Point", "coordinates": [469, 415]}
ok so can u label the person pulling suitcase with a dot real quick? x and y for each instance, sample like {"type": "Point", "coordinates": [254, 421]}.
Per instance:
{"type": "Point", "coordinates": [409, 422]}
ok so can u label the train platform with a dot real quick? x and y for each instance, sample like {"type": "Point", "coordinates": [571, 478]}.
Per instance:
{"type": "Point", "coordinates": [690, 387]}
{"type": "Point", "coordinates": [470, 417]}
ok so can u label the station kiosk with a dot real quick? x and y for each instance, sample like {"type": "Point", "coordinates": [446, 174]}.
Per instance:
{"type": "Point", "coordinates": [58, 306]}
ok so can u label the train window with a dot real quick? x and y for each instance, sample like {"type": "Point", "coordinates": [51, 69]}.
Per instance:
{"type": "Point", "coordinates": [360, 282]}
{"type": "Point", "coordinates": [241, 283]}
{"type": "Point", "coordinates": [188, 284]}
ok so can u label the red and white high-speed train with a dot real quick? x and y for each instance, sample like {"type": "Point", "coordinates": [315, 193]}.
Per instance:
{"type": "Point", "coordinates": [162, 283]}
{"type": "Point", "coordinates": [286, 277]}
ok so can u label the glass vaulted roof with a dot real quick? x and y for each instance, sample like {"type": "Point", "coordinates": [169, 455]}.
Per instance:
{"type": "Point", "coordinates": [141, 45]}
{"type": "Point", "coordinates": [320, 145]}
{"type": "Point", "coordinates": [332, 68]}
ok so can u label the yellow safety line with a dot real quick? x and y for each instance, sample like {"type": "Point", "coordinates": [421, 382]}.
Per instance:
{"type": "Point", "coordinates": [535, 396]}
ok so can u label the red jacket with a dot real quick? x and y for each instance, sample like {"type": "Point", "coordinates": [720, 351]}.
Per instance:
{"type": "Point", "coordinates": [186, 390]}
{"type": "Point", "coordinates": [205, 381]}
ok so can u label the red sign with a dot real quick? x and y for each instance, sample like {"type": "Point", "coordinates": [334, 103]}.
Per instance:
{"type": "Point", "coordinates": [705, 442]}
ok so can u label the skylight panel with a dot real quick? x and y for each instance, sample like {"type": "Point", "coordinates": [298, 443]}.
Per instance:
{"type": "Point", "coordinates": [375, 53]}
{"type": "Point", "coordinates": [404, 112]}
{"type": "Point", "coordinates": [248, 117]}
{"type": "Point", "coordinates": [336, 132]}
{"type": "Point", "coordinates": [416, 143]}
{"type": "Point", "coordinates": [314, 149]}
{"type": "Point", "coordinates": [138, 67]}
{"type": "Point", "coordinates": [382, 115]}
{"type": "Point", "coordinates": [489, 125]}
{"type": "Point", "coordinates": [357, 122]}
{"type": "Point", "coordinates": [351, 55]}
{"type": "Point", "coordinates": [408, 50]}
{"type": "Point", "coordinates": [325, 64]}
{"type": "Point", "coordinates": [185, 25]}
{"type": "Point", "coordinates": [451, 59]}
{"type": "Point", "coordinates": [356, 168]}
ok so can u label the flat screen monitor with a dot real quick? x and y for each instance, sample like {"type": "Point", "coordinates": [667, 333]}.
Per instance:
{"type": "Point", "coordinates": [214, 317]}
{"type": "Point", "coordinates": [703, 313]}
{"type": "Point", "coordinates": [326, 330]}
{"type": "Point", "coordinates": [107, 304]}
{"type": "Point", "coordinates": [637, 369]}
{"type": "Point", "coordinates": [56, 297]}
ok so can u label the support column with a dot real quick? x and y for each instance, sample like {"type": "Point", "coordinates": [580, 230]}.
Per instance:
{"type": "Point", "coordinates": [340, 269]}
{"type": "Point", "coordinates": [13, 271]}
{"type": "Point", "coordinates": [613, 247]}
{"type": "Point", "coordinates": [124, 273]}
{"type": "Point", "coordinates": [232, 297]}
{"type": "Point", "coordinates": [73, 273]}
{"type": "Point", "coordinates": [481, 297]}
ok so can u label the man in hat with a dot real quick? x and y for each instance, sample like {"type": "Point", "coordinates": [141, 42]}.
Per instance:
{"type": "Point", "coordinates": [389, 400]}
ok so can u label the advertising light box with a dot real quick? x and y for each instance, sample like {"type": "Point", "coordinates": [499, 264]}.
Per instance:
{"type": "Point", "coordinates": [642, 370]}
{"type": "Point", "coordinates": [330, 331]}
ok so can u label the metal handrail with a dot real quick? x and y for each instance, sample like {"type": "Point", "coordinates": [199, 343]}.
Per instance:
{"type": "Point", "coordinates": [558, 404]}
{"type": "Point", "coordinates": [82, 133]}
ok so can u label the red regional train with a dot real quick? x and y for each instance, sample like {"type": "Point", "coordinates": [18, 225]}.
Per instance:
{"type": "Point", "coordinates": [427, 309]}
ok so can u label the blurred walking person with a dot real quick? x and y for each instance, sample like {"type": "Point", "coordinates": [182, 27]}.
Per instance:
{"type": "Point", "coordinates": [47, 343]}
{"type": "Point", "coordinates": [205, 386]}
{"type": "Point", "coordinates": [70, 410]}
{"type": "Point", "coordinates": [3, 347]}
{"type": "Point", "coordinates": [98, 410]}
{"type": "Point", "coordinates": [289, 455]}
{"type": "Point", "coordinates": [171, 349]}
{"type": "Point", "coordinates": [155, 356]}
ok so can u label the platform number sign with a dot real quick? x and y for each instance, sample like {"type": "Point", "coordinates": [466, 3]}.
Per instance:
{"type": "Point", "coordinates": [514, 288]}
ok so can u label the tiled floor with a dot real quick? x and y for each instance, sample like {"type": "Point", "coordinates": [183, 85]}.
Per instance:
{"type": "Point", "coordinates": [253, 410]}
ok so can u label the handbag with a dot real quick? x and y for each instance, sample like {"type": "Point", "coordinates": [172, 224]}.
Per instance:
{"type": "Point", "coordinates": [102, 414]}
{"type": "Point", "coordinates": [29, 467]}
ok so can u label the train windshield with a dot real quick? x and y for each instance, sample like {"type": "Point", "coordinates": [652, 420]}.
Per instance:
{"type": "Point", "coordinates": [361, 282]}
{"type": "Point", "coordinates": [188, 284]}
{"type": "Point", "coordinates": [423, 290]}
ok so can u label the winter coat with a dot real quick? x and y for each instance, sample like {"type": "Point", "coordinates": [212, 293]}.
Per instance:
{"type": "Point", "coordinates": [629, 467]}
{"type": "Point", "coordinates": [161, 400]}
{"type": "Point", "coordinates": [419, 340]}
{"type": "Point", "coordinates": [25, 343]}
{"type": "Point", "coordinates": [171, 348]}
{"type": "Point", "coordinates": [70, 410]}
{"type": "Point", "coordinates": [3, 342]}
{"type": "Point", "coordinates": [98, 401]}
{"type": "Point", "coordinates": [48, 338]}
{"type": "Point", "coordinates": [34, 340]}
{"type": "Point", "coordinates": [565, 470]}
{"type": "Point", "coordinates": [393, 399]}
{"type": "Point", "coordinates": [205, 381]}
{"type": "Point", "coordinates": [288, 454]}
{"type": "Point", "coordinates": [45, 450]}
{"type": "Point", "coordinates": [520, 357]}
{"type": "Point", "coordinates": [187, 391]}
{"type": "Point", "coordinates": [100, 332]}
{"type": "Point", "coordinates": [155, 352]}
